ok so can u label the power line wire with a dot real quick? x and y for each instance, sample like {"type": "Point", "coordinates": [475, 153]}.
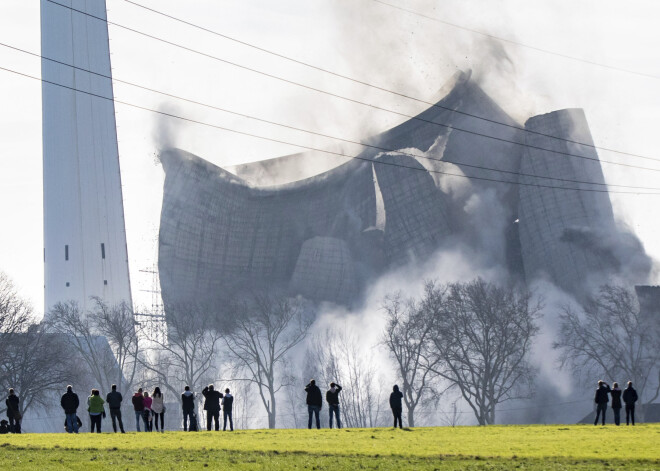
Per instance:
{"type": "Point", "coordinates": [279, 141]}
{"type": "Point", "coordinates": [517, 43]}
{"type": "Point", "coordinates": [351, 100]}
{"type": "Point", "coordinates": [377, 87]}
{"type": "Point", "coordinates": [379, 148]}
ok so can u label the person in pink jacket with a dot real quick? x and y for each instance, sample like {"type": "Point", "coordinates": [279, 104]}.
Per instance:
{"type": "Point", "coordinates": [148, 414]}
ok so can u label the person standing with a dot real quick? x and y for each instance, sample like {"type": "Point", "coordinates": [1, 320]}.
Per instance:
{"type": "Point", "coordinates": [630, 398]}
{"type": "Point", "coordinates": [212, 406]}
{"type": "Point", "coordinates": [70, 402]}
{"type": "Point", "coordinates": [96, 410]}
{"type": "Point", "coordinates": [314, 403]}
{"type": "Point", "coordinates": [158, 408]}
{"type": "Point", "coordinates": [13, 412]}
{"type": "Point", "coordinates": [114, 398]}
{"type": "Point", "coordinates": [616, 403]}
{"type": "Point", "coordinates": [395, 405]}
{"type": "Point", "coordinates": [147, 413]}
{"type": "Point", "coordinates": [601, 399]}
{"type": "Point", "coordinates": [332, 398]}
{"type": "Point", "coordinates": [187, 406]}
{"type": "Point", "coordinates": [227, 405]}
{"type": "Point", "coordinates": [138, 407]}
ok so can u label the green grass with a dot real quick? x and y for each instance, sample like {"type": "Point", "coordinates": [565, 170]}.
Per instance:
{"type": "Point", "coordinates": [488, 448]}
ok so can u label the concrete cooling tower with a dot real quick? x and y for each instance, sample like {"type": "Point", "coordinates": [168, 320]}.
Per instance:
{"type": "Point", "coordinates": [569, 236]}
{"type": "Point", "coordinates": [337, 224]}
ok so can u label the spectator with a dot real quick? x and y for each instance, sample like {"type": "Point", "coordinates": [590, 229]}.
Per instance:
{"type": "Point", "coordinates": [188, 406]}
{"type": "Point", "coordinates": [13, 412]}
{"type": "Point", "coordinates": [138, 407]}
{"type": "Point", "coordinates": [96, 410]}
{"type": "Point", "coordinates": [212, 406]}
{"type": "Point", "coordinates": [158, 408]}
{"type": "Point", "coordinates": [114, 398]}
{"type": "Point", "coordinates": [314, 403]}
{"type": "Point", "coordinates": [147, 413]}
{"type": "Point", "coordinates": [616, 403]}
{"type": "Point", "coordinates": [395, 405]}
{"type": "Point", "coordinates": [70, 403]}
{"type": "Point", "coordinates": [601, 399]}
{"type": "Point", "coordinates": [332, 397]}
{"type": "Point", "coordinates": [629, 398]}
{"type": "Point", "coordinates": [227, 404]}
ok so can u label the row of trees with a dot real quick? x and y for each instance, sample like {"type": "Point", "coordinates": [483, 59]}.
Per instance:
{"type": "Point", "coordinates": [471, 338]}
{"type": "Point", "coordinates": [475, 337]}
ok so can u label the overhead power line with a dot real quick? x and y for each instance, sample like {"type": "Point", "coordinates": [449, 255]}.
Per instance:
{"type": "Point", "coordinates": [351, 100]}
{"type": "Point", "coordinates": [377, 87]}
{"type": "Point", "coordinates": [350, 141]}
{"type": "Point", "coordinates": [517, 43]}
{"type": "Point", "coordinates": [302, 146]}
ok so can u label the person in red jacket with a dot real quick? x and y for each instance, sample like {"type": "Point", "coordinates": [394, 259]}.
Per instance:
{"type": "Point", "coordinates": [138, 407]}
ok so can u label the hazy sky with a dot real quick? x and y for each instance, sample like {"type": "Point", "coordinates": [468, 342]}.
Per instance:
{"type": "Point", "coordinates": [360, 38]}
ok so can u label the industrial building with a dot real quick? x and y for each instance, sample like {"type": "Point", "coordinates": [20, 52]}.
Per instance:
{"type": "Point", "coordinates": [323, 226]}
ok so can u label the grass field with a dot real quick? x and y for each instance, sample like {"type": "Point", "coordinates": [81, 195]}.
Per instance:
{"type": "Point", "coordinates": [493, 448]}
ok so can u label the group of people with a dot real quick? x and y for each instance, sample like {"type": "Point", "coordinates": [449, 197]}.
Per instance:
{"type": "Point", "coordinates": [214, 401]}
{"type": "Point", "coordinates": [315, 404]}
{"type": "Point", "coordinates": [146, 409]}
{"type": "Point", "coordinates": [150, 408]}
{"type": "Point", "coordinates": [629, 396]}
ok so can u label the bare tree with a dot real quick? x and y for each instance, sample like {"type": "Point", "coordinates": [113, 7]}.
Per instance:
{"type": "Point", "coordinates": [265, 330]}
{"type": "Point", "coordinates": [66, 318]}
{"type": "Point", "coordinates": [408, 338]}
{"type": "Point", "coordinates": [482, 337]}
{"type": "Point", "coordinates": [117, 324]}
{"type": "Point", "coordinates": [612, 337]}
{"type": "Point", "coordinates": [15, 314]}
{"type": "Point", "coordinates": [184, 355]}
{"type": "Point", "coordinates": [37, 365]}
{"type": "Point", "coordinates": [338, 356]}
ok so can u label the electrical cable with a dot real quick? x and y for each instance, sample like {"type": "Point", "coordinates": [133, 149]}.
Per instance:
{"type": "Point", "coordinates": [417, 118]}
{"type": "Point", "coordinates": [517, 43]}
{"type": "Point", "coordinates": [279, 141]}
{"type": "Point", "coordinates": [376, 87]}
{"type": "Point", "coordinates": [379, 148]}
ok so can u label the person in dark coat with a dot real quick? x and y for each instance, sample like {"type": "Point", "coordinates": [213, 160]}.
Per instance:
{"type": "Point", "coordinates": [138, 408]}
{"type": "Point", "coordinates": [70, 403]}
{"type": "Point", "coordinates": [114, 398]}
{"type": "Point", "coordinates": [314, 403]}
{"type": "Point", "coordinates": [13, 411]}
{"type": "Point", "coordinates": [601, 399]}
{"type": "Point", "coordinates": [187, 406]}
{"type": "Point", "coordinates": [395, 405]}
{"type": "Point", "coordinates": [616, 403]}
{"type": "Point", "coordinates": [227, 406]}
{"type": "Point", "coordinates": [332, 398]}
{"type": "Point", "coordinates": [212, 406]}
{"type": "Point", "coordinates": [629, 398]}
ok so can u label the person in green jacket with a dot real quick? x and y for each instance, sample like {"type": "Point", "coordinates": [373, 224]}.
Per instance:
{"type": "Point", "coordinates": [96, 410]}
